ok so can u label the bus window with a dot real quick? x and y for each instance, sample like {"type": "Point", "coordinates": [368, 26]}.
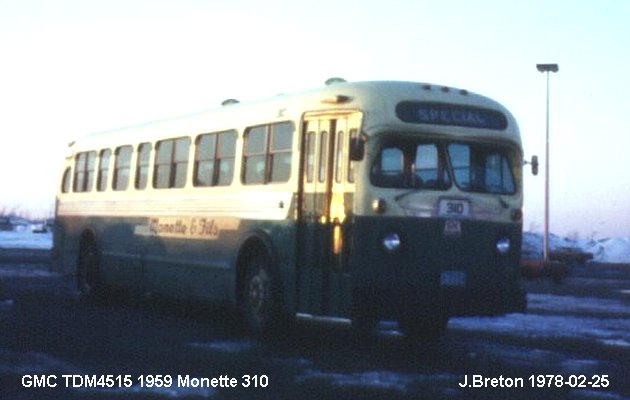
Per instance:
{"type": "Point", "coordinates": [171, 163]}
{"type": "Point", "coordinates": [226, 152]}
{"type": "Point", "coordinates": [459, 155]}
{"type": "Point", "coordinates": [103, 170]}
{"type": "Point", "coordinates": [142, 168]}
{"type": "Point", "coordinates": [267, 153]}
{"type": "Point", "coordinates": [204, 160]}
{"type": "Point", "coordinates": [214, 159]}
{"type": "Point", "coordinates": [481, 169]}
{"type": "Point", "coordinates": [351, 137]}
{"type": "Point", "coordinates": [389, 169]}
{"type": "Point", "coordinates": [323, 155]}
{"type": "Point", "coordinates": [84, 171]}
{"type": "Point", "coordinates": [431, 172]}
{"type": "Point", "coordinates": [339, 157]}
{"type": "Point", "coordinates": [310, 156]}
{"type": "Point", "coordinates": [254, 160]}
{"type": "Point", "coordinates": [280, 152]}
{"type": "Point", "coordinates": [122, 166]}
{"type": "Point", "coordinates": [498, 174]}
{"type": "Point", "coordinates": [411, 164]}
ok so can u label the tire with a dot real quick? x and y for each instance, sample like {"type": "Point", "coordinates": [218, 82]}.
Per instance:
{"type": "Point", "coordinates": [88, 274]}
{"type": "Point", "coordinates": [260, 297]}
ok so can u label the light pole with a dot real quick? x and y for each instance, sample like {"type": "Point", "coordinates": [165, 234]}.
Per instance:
{"type": "Point", "coordinates": [547, 68]}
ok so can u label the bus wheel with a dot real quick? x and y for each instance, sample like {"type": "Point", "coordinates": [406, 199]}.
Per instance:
{"type": "Point", "coordinates": [260, 305]}
{"type": "Point", "coordinates": [428, 328]}
{"type": "Point", "coordinates": [88, 269]}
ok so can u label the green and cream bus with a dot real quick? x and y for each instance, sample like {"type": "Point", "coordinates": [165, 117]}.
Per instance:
{"type": "Point", "coordinates": [368, 201]}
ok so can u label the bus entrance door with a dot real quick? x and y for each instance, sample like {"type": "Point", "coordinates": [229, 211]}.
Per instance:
{"type": "Point", "coordinates": [323, 279]}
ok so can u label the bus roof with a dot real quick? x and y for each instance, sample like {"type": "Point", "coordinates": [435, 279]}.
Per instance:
{"type": "Point", "coordinates": [371, 97]}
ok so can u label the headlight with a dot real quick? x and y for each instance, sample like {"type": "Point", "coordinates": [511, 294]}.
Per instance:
{"type": "Point", "coordinates": [503, 246]}
{"type": "Point", "coordinates": [391, 242]}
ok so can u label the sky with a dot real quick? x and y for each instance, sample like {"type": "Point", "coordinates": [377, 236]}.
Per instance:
{"type": "Point", "coordinates": [73, 67]}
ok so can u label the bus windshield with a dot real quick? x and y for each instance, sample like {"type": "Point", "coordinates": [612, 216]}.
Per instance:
{"type": "Point", "coordinates": [478, 168]}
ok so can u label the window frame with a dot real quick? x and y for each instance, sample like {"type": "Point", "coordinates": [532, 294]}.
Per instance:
{"type": "Point", "coordinates": [84, 171]}
{"type": "Point", "coordinates": [175, 166]}
{"type": "Point", "coordinates": [120, 181]}
{"type": "Point", "coordinates": [104, 157]}
{"type": "Point", "coordinates": [143, 163]}
{"type": "Point", "coordinates": [216, 158]}
{"type": "Point", "coordinates": [269, 154]}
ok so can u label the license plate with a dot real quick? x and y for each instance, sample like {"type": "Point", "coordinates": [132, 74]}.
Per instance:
{"type": "Point", "coordinates": [453, 278]}
{"type": "Point", "coordinates": [452, 208]}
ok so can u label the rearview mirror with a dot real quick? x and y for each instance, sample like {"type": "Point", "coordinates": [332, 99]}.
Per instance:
{"type": "Point", "coordinates": [534, 163]}
{"type": "Point", "coordinates": [357, 148]}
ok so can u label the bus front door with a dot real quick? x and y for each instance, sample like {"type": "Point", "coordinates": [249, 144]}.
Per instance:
{"type": "Point", "coordinates": [323, 278]}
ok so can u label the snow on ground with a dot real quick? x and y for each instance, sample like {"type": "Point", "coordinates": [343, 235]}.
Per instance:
{"type": "Point", "coordinates": [25, 271]}
{"type": "Point", "coordinates": [608, 321]}
{"type": "Point", "coordinates": [25, 239]}
{"type": "Point", "coordinates": [227, 346]}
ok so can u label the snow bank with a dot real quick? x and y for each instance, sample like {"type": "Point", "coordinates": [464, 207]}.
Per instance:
{"type": "Point", "coordinates": [25, 239]}
{"type": "Point", "coordinates": [614, 250]}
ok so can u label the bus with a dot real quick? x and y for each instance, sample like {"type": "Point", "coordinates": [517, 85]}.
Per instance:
{"type": "Point", "coordinates": [368, 201]}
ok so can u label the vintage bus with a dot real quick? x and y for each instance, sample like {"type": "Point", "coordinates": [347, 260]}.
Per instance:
{"type": "Point", "coordinates": [368, 201]}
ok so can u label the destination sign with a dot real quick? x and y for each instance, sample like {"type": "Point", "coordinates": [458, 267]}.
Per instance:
{"type": "Point", "coordinates": [450, 114]}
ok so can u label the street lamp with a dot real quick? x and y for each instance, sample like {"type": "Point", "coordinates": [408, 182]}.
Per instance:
{"type": "Point", "coordinates": [547, 68]}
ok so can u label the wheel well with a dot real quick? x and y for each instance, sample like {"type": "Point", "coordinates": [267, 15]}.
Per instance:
{"type": "Point", "coordinates": [253, 247]}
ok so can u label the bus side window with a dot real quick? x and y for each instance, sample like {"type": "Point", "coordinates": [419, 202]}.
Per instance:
{"type": "Point", "coordinates": [254, 157]}
{"type": "Point", "coordinates": [267, 153]}
{"type": "Point", "coordinates": [280, 152]}
{"type": "Point", "coordinates": [214, 159]}
{"type": "Point", "coordinates": [142, 167]}
{"type": "Point", "coordinates": [171, 163]}
{"type": "Point", "coordinates": [103, 170]}
{"type": "Point", "coordinates": [122, 166]}
{"type": "Point", "coordinates": [226, 154]}
{"type": "Point", "coordinates": [84, 171]}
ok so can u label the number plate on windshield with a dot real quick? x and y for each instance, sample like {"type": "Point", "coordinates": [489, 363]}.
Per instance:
{"type": "Point", "coordinates": [454, 208]}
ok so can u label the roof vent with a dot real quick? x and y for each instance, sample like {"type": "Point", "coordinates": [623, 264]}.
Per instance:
{"type": "Point", "coordinates": [334, 81]}
{"type": "Point", "coordinates": [229, 102]}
